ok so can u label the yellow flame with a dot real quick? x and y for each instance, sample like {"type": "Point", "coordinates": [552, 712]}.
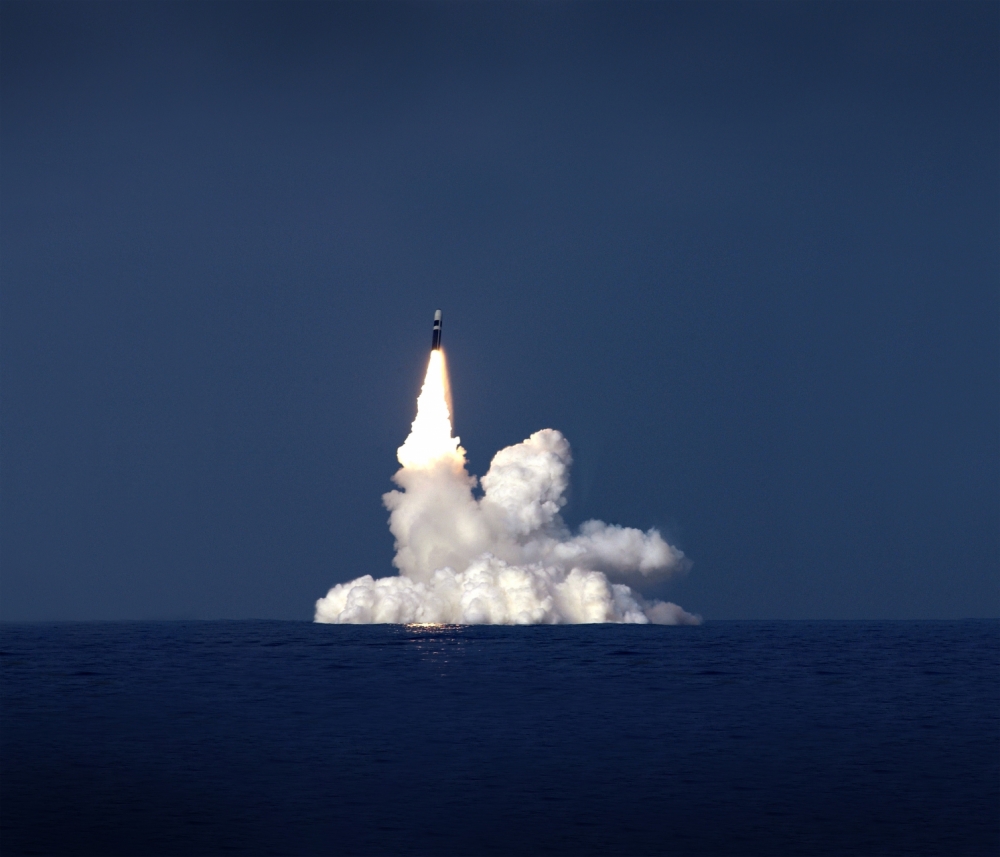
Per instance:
{"type": "Point", "coordinates": [430, 437]}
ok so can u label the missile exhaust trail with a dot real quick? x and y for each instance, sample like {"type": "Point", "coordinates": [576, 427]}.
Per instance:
{"type": "Point", "coordinates": [436, 338]}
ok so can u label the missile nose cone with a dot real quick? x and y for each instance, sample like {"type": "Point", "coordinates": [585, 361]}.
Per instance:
{"type": "Point", "coordinates": [436, 337]}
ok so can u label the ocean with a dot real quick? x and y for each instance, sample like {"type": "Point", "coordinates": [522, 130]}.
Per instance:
{"type": "Point", "coordinates": [288, 738]}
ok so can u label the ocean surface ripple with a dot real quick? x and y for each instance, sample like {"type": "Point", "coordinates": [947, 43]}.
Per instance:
{"type": "Point", "coordinates": [289, 738]}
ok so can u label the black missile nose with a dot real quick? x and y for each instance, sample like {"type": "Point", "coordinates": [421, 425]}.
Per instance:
{"type": "Point", "coordinates": [436, 335]}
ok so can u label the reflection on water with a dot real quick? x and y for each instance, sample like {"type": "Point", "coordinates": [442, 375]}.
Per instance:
{"type": "Point", "coordinates": [433, 627]}
{"type": "Point", "coordinates": [434, 641]}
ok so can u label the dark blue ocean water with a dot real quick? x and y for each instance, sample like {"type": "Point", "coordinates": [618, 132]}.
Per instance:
{"type": "Point", "coordinates": [291, 738]}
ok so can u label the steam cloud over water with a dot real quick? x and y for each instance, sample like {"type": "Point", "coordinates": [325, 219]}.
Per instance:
{"type": "Point", "coordinates": [505, 558]}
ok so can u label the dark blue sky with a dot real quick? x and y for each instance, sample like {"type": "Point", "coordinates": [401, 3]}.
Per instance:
{"type": "Point", "coordinates": [744, 256]}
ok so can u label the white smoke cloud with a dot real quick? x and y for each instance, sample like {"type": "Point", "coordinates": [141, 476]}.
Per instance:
{"type": "Point", "coordinates": [506, 557]}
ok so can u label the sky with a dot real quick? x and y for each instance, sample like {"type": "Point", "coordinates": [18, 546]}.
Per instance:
{"type": "Point", "coordinates": [744, 256]}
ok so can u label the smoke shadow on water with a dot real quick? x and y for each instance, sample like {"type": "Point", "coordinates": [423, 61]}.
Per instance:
{"type": "Point", "coordinates": [284, 738]}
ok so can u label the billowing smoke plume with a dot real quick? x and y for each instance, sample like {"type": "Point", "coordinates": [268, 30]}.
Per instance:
{"type": "Point", "coordinates": [506, 557]}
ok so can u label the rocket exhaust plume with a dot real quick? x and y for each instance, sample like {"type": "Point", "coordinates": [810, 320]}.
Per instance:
{"type": "Point", "coordinates": [505, 558]}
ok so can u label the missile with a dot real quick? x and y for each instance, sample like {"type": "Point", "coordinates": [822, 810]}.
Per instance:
{"type": "Point", "coordinates": [436, 340]}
